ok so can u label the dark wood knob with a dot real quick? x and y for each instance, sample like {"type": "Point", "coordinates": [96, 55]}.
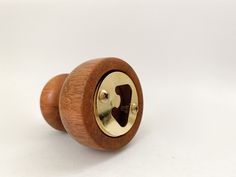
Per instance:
{"type": "Point", "coordinates": [100, 103]}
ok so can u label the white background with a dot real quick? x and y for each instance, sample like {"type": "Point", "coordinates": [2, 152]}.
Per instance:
{"type": "Point", "coordinates": [184, 53]}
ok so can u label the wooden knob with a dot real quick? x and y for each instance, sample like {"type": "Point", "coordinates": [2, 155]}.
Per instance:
{"type": "Point", "coordinates": [49, 101]}
{"type": "Point", "coordinates": [100, 103]}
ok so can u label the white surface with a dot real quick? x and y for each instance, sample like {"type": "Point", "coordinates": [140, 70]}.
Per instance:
{"type": "Point", "coordinates": [184, 53]}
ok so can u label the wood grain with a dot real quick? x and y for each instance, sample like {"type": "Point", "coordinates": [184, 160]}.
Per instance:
{"type": "Point", "coordinates": [76, 103]}
{"type": "Point", "coordinates": [49, 101]}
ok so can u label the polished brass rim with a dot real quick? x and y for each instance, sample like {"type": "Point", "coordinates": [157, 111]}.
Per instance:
{"type": "Point", "coordinates": [116, 104]}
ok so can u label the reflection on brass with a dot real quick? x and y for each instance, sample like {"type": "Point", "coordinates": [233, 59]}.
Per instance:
{"type": "Point", "coordinates": [116, 104]}
{"type": "Point", "coordinates": [103, 96]}
{"type": "Point", "coordinates": [134, 108]}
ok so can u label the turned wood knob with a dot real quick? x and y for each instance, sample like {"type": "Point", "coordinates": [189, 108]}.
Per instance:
{"type": "Point", "coordinates": [100, 103]}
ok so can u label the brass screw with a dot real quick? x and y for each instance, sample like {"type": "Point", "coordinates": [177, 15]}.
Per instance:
{"type": "Point", "coordinates": [134, 108]}
{"type": "Point", "coordinates": [103, 96]}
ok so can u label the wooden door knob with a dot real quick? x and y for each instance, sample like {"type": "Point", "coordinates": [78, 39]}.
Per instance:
{"type": "Point", "coordinates": [100, 103]}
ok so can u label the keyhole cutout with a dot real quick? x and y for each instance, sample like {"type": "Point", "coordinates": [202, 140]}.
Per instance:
{"type": "Point", "coordinates": [121, 114]}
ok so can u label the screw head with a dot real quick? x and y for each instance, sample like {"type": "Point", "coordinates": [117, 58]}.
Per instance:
{"type": "Point", "coordinates": [134, 108]}
{"type": "Point", "coordinates": [103, 96]}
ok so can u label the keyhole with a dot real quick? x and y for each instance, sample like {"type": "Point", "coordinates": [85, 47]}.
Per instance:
{"type": "Point", "coordinates": [121, 114]}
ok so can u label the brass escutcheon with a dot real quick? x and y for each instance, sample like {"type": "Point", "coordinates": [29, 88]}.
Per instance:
{"type": "Point", "coordinates": [116, 104]}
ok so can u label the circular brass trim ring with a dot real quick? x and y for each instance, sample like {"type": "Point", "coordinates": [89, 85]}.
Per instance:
{"type": "Point", "coordinates": [115, 112]}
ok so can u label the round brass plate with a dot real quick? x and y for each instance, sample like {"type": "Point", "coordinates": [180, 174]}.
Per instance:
{"type": "Point", "coordinates": [116, 104]}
